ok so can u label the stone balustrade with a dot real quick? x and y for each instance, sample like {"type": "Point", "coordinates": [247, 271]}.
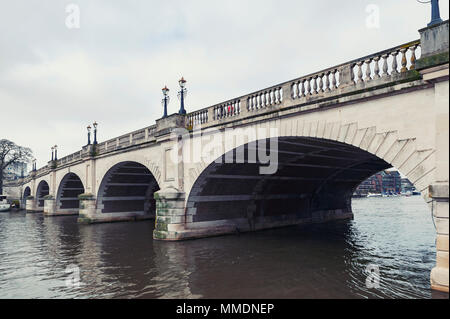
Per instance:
{"type": "Point", "coordinates": [379, 68]}
{"type": "Point", "coordinates": [375, 69]}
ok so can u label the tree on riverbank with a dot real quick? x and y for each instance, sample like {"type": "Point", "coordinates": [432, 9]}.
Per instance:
{"type": "Point", "coordinates": [11, 153]}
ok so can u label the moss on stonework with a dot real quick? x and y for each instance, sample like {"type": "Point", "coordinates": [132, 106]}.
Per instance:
{"type": "Point", "coordinates": [48, 197]}
{"type": "Point", "coordinates": [159, 234]}
{"type": "Point", "coordinates": [162, 207]}
{"type": "Point", "coordinates": [85, 220]}
{"type": "Point", "coordinates": [160, 225]}
{"type": "Point", "coordinates": [432, 60]}
{"type": "Point", "coordinates": [85, 196]}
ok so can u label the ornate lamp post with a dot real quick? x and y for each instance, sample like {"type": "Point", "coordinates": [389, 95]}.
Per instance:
{"type": "Point", "coordinates": [34, 164]}
{"type": "Point", "coordinates": [56, 152]}
{"type": "Point", "coordinates": [53, 151]}
{"type": "Point", "coordinates": [165, 100]}
{"type": "Point", "coordinates": [89, 134]}
{"type": "Point", "coordinates": [181, 95]}
{"type": "Point", "coordinates": [95, 133]}
{"type": "Point", "coordinates": [435, 14]}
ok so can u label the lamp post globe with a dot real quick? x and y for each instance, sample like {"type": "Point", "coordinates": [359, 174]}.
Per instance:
{"type": "Point", "coordinates": [182, 83]}
{"type": "Point", "coordinates": [89, 134]}
{"type": "Point", "coordinates": [95, 124]}
{"type": "Point", "coordinates": [165, 100]}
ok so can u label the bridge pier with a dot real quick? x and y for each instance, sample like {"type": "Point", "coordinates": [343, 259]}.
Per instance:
{"type": "Point", "coordinates": [32, 206]}
{"type": "Point", "coordinates": [440, 273]}
{"type": "Point", "coordinates": [90, 212]}
{"type": "Point", "coordinates": [51, 208]}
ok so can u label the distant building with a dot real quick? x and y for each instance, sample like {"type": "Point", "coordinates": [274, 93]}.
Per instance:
{"type": "Point", "coordinates": [386, 182]}
{"type": "Point", "coordinates": [16, 171]}
{"type": "Point", "coordinates": [407, 186]}
{"type": "Point", "coordinates": [392, 182]}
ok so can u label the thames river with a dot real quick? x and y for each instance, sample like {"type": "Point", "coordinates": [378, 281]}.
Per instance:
{"type": "Point", "coordinates": [41, 258]}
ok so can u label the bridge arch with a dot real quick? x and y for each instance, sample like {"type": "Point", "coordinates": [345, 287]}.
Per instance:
{"type": "Point", "coordinates": [67, 195]}
{"type": "Point", "coordinates": [127, 188]}
{"type": "Point", "coordinates": [317, 175]}
{"type": "Point", "coordinates": [26, 194]}
{"type": "Point", "coordinates": [42, 190]}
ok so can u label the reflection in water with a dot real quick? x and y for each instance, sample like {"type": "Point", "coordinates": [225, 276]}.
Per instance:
{"type": "Point", "coordinates": [121, 260]}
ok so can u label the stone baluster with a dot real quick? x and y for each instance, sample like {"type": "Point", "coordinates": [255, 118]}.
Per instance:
{"type": "Point", "coordinates": [376, 68]}
{"type": "Point", "coordinates": [394, 63]}
{"type": "Point", "coordinates": [308, 86]}
{"type": "Point", "coordinates": [327, 81]}
{"type": "Point", "coordinates": [302, 88]}
{"type": "Point", "coordinates": [360, 73]}
{"type": "Point", "coordinates": [385, 65]}
{"type": "Point", "coordinates": [320, 90]}
{"type": "Point", "coordinates": [413, 57]}
{"type": "Point", "coordinates": [333, 80]}
{"type": "Point", "coordinates": [294, 90]}
{"type": "Point", "coordinates": [404, 61]}
{"type": "Point", "coordinates": [314, 84]}
{"type": "Point", "coordinates": [352, 74]}
{"type": "Point", "coordinates": [368, 70]}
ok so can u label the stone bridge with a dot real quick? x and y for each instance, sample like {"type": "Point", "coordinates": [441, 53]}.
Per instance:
{"type": "Point", "coordinates": [289, 154]}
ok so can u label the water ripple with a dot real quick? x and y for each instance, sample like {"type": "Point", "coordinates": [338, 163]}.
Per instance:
{"type": "Point", "coordinates": [317, 261]}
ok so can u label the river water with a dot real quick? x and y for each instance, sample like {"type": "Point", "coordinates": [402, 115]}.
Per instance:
{"type": "Point", "coordinates": [121, 260]}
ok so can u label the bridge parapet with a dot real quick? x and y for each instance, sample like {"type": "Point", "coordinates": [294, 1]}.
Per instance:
{"type": "Point", "coordinates": [134, 138]}
{"type": "Point", "coordinates": [387, 67]}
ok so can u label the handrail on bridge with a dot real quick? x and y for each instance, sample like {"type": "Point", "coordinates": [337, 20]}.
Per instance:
{"type": "Point", "coordinates": [383, 66]}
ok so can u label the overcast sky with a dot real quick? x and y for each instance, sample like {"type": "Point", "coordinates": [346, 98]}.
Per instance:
{"type": "Point", "coordinates": [55, 80]}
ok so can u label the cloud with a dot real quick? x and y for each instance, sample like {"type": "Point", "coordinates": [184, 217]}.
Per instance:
{"type": "Point", "coordinates": [54, 81]}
